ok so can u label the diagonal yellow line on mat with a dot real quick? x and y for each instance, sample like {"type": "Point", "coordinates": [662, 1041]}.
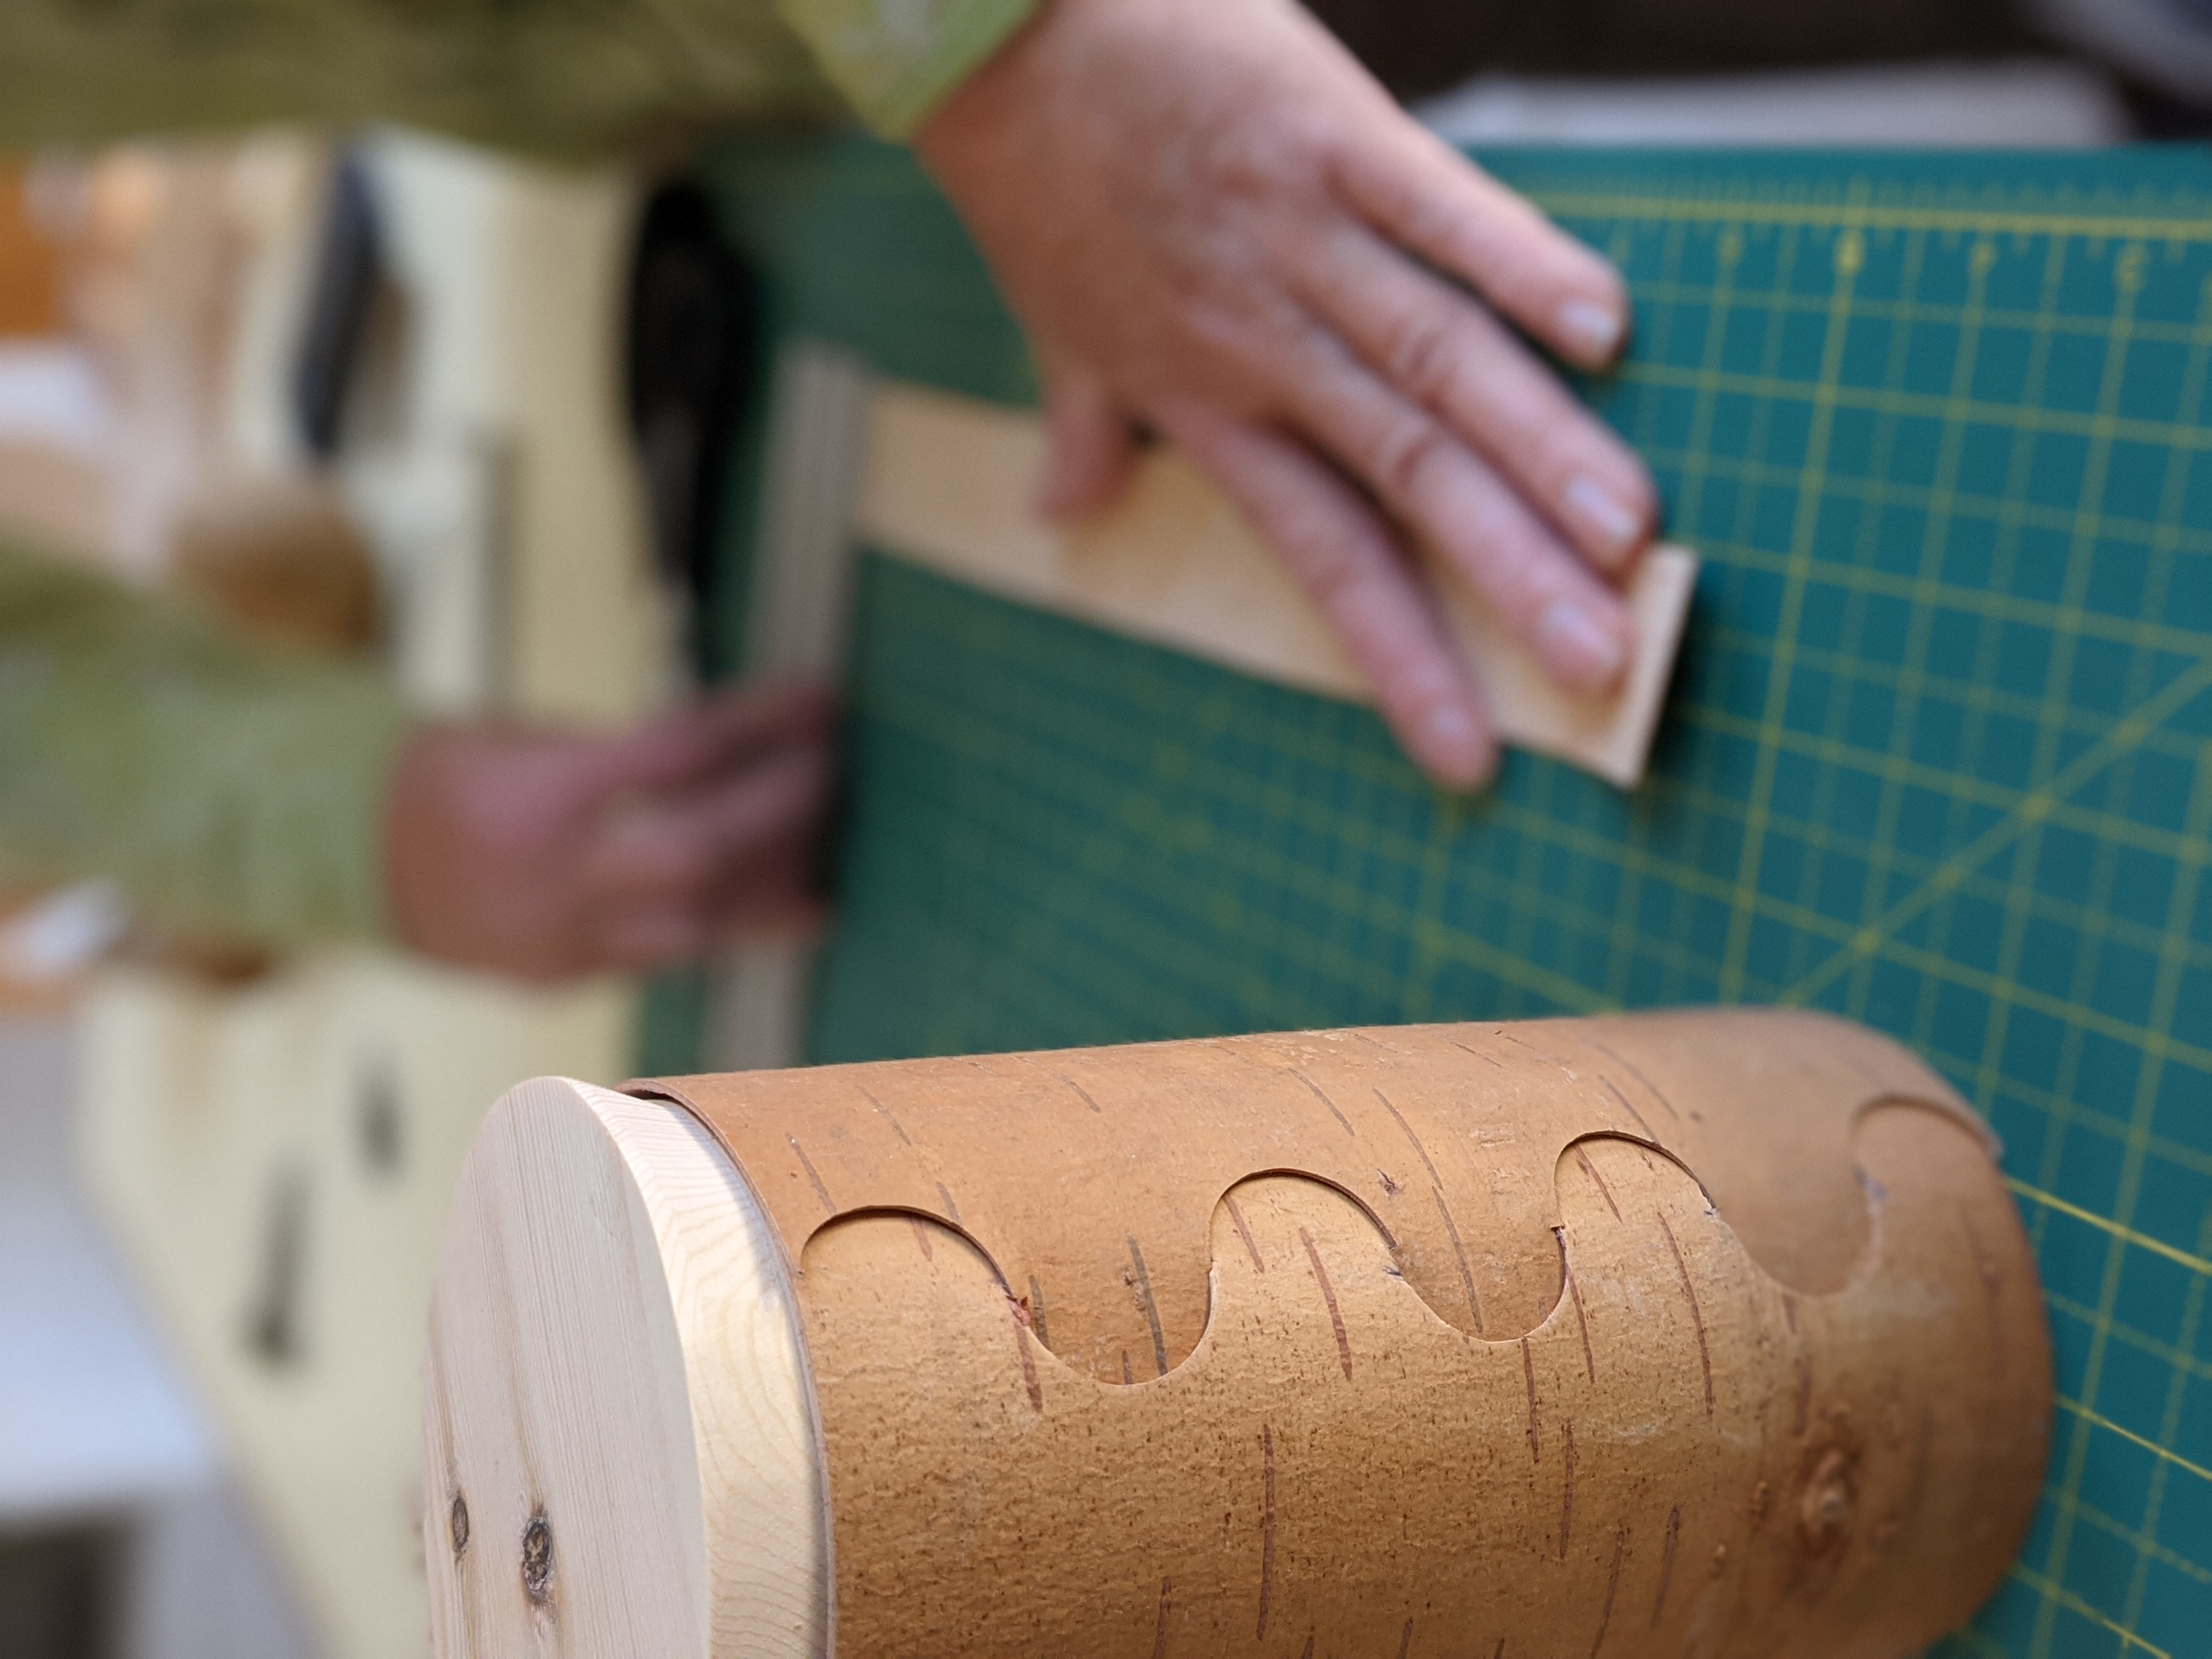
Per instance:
{"type": "Point", "coordinates": [2195, 1264]}
{"type": "Point", "coordinates": [2128, 730]}
{"type": "Point", "coordinates": [2098, 1420]}
{"type": "Point", "coordinates": [2066, 1598]}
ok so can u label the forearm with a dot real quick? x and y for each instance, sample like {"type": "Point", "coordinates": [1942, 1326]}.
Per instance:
{"type": "Point", "coordinates": [535, 74]}
{"type": "Point", "coordinates": [228, 787]}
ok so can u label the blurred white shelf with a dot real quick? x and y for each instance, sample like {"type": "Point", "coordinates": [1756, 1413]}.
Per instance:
{"type": "Point", "coordinates": [92, 1419]}
{"type": "Point", "coordinates": [2031, 103]}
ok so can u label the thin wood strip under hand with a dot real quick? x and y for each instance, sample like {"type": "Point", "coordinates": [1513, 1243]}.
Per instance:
{"type": "Point", "coordinates": [948, 486]}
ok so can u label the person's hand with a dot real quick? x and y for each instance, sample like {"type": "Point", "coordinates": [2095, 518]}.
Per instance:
{"type": "Point", "coordinates": [544, 855]}
{"type": "Point", "coordinates": [1215, 226]}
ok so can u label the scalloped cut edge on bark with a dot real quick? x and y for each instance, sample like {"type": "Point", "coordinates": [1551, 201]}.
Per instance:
{"type": "Point", "coordinates": [1452, 1160]}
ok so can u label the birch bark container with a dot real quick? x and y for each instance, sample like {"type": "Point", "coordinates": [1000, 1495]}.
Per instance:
{"type": "Point", "coordinates": [1709, 1332]}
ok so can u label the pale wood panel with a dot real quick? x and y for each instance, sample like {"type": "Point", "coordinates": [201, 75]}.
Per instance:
{"type": "Point", "coordinates": [276, 1163]}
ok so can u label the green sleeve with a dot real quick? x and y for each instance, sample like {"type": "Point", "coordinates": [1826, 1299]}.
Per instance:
{"type": "Point", "coordinates": [562, 78]}
{"type": "Point", "coordinates": [557, 76]}
{"type": "Point", "coordinates": [230, 787]}
{"type": "Point", "coordinates": [895, 59]}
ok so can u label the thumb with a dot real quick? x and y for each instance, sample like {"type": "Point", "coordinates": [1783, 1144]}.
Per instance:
{"type": "Point", "coordinates": [702, 739]}
{"type": "Point", "coordinates": [1091, 448]}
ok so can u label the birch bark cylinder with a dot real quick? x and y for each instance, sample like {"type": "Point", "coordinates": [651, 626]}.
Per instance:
{"type": "Point", "coordinates": [1709, 1332]}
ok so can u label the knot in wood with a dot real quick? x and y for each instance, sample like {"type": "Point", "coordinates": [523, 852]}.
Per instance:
{"type": "Point", "coordinates": [537, 1560]}
{"type": "Point", "coordinates": [456, 1523]}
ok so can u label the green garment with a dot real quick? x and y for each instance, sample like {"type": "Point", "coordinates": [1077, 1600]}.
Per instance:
{"type": "Point", "coordinates": [563, 76]}
{"type": "Point", "coordinates": [232, 788]}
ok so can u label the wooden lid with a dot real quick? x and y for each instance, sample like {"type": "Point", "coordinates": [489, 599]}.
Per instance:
{"type": "Point", "coordinates": [567, 1509]}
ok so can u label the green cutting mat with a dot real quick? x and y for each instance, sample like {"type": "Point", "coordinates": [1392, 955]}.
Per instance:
{"type": "Point", "coordinates": [1937, 757]}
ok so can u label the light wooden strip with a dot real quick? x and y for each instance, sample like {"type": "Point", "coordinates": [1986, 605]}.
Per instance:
{"type": "Point", "coordinates": [948, 486]}
{"type": "Point", "coordinates": [756, 1017]}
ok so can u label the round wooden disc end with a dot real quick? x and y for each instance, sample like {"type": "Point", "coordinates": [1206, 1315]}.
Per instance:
{"type": "Point", "coordinates": [620, 1453]}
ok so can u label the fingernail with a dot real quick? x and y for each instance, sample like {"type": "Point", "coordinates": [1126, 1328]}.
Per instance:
{"type": "Point", "coordinates": [1454, 746]}
{"type": "Point", "coordinates": [1605, 517]}
{"type": "Point", "coordinates": [1580, 653]}
{"type": "Point", "coordinates": [1591, 331]}
{"type": "Point", "coordinates": [1449, 728]}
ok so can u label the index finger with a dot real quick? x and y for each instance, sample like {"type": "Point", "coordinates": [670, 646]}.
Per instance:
{"type": "Point", "coordinates": [1338, 550]}
{"type": "Point", "coordinates": [1425, 195]}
